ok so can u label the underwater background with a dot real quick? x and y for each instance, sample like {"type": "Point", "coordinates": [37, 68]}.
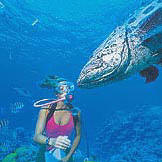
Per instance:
{"type": "Point", "coordinates": [123, 120]}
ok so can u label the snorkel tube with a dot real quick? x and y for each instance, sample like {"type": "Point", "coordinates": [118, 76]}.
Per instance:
{"type": "Point", "coordinates": [60, 86]}
{"type": "Point", "coordinates": [37, 103]}
{"type": "Point", "coordinates": [68, 98]}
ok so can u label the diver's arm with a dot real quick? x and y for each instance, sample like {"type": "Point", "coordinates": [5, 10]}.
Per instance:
{"type": "Point", "coordinates": [39, 137]}
{"type": "Point", "coordinates": [77, 138]}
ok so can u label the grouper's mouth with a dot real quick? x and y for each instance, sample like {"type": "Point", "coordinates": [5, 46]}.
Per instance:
{"type": "Point", "coordinates": [85, 83]}
{"type": "Point", "coordinates": [108, 77]}
{"type": "Point", "coordinates": [91, 84]}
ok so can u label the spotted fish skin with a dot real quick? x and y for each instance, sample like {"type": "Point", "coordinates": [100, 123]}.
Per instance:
{"type": "Point", "coordinates": [129, 49]}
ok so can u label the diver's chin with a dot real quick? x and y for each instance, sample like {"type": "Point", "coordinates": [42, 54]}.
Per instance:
{"type": "Point", "coordinates": [61, 95]}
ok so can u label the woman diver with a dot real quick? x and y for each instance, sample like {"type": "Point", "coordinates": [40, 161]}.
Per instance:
{"type": "Point", "coordinates": [56, 123]}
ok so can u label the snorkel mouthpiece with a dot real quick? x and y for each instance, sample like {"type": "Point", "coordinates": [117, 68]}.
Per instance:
{"type": "Point", "coordinates": [69, 98]}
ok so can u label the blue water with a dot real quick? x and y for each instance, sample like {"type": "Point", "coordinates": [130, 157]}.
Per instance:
{"type": "Point", "coordinates": [39, 38]}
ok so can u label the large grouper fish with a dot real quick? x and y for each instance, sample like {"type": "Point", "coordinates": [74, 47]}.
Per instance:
{"type": "Point", "coordinates": [133, 47]}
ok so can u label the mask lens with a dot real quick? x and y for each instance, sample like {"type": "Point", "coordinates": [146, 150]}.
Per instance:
{"type": "Point", "coordinates": [62, 88]}
{"type": "Point", "coordinates": [65, 87]}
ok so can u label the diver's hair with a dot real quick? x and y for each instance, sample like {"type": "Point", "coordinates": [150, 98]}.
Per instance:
{"type": "Point", "coordinates": [52, 110]}
{"type": "Point", "coordinates": [69, 105]}
{"type": "Point", "coordinates": [51, 82]}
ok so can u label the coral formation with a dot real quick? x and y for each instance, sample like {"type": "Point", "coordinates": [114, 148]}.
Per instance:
{"type": "Point", "coordinates": [22, 154]}
{"type": "Point", "coordinates": [10, 158]}
{"type": "Point", "coordinates": [10, 139]}
{"type": "Point", "coordinates": [134, 137]}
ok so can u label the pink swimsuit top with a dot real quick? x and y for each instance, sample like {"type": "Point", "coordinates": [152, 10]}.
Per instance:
{"type": "Point", "coordinates": [54, 130]}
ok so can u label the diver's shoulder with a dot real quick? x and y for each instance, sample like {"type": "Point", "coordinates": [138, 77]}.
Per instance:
{"type": "Point", "coordinates": [43, 111]}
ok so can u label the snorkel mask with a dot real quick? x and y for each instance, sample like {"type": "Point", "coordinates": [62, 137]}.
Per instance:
{"type": "Point", "coordinates": [64, 87]}
{"type": "Point", "coordinates": [67, 88]}
{"type": "Point", "coordinates": [60, 86]}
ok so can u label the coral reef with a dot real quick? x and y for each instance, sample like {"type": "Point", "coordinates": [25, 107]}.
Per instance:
{"type": "Point", "coordinates": [134, 137]}
{"type": "Point", "coordinates": [34, 154]}
{"type": "Point", "coordinates": [22, 154]}
{"type": "Point", "coordinates": [10, 158]}
{"type": "Point", "coordinates": [10, 139]}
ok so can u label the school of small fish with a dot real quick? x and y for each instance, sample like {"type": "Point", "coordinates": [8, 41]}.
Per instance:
{"type": "Point", "coordinates": [16, 107]}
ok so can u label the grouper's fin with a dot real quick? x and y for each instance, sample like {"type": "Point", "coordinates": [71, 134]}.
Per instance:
{"type": "Point", "coordinates": [150, 73]}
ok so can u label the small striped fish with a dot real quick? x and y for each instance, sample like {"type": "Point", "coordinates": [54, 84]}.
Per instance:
{"type": "Point", "coordinates": [16, 107]}
{"type": "Point", "coordinates": [3, 123]}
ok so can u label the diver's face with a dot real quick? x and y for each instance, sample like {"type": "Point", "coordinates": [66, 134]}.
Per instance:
{"type": "Point", "coordinates": [62, 91]}
{"type": "Point", "coordinates": [64, 88]}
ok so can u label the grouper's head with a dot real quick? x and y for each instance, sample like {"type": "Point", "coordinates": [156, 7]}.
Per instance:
{"type": "Point", "coordinates": [127, 49]}
{"type": "Point", "coordinates": [108, 61]}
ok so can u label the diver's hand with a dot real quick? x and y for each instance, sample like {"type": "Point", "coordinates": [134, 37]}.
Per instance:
{"type": "Point", "coordinates": [61, 142]}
